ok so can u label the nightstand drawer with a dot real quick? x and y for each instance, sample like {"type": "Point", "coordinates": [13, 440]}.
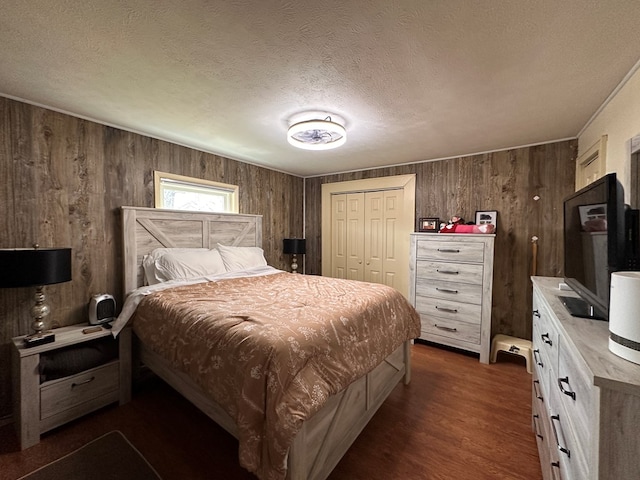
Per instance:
{"type": "Point", "coordinates": [66, 393]}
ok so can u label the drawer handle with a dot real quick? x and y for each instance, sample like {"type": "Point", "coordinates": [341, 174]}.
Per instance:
{"type": "Point", "coordinates": [546, 339]}
{"type": "Point", "coordinates": [564, 450]}
{"type": "Point", "coordinates": [536, 313]}
{"type": "Point", "coordinates": [445, 309]}
{"type": "Point", "coordinates": [448, 329]}
{"type": "Point", "coordinates": [536, 352]}
{"type": "Point", "coordinates": [448, 272]}
{"type": "Point", "coordinates": [446, 290]}
{"type": "Point", "coordinates": [74, 385]}
{"type": "Point", "coordinates": [536, 417]}
{"type": "Point", "coordinates": [536, 386]}
{"type": "Point", "coordinates": [566, 392]}
{"type": "Point", "coordinates": [555, 464]}
{"type": "Point", "coordinates": [448, 250]}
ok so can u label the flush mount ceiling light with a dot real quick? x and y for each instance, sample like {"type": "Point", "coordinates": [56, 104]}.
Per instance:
{"type": "Point", "coordinates": [317, 134]}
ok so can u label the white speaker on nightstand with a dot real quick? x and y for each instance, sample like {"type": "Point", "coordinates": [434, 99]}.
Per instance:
{"type": "Point", "coordinates": [624, 315]}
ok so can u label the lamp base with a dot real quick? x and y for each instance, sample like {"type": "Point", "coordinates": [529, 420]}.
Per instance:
{"type": "Point", "coordinates": [39, 338]}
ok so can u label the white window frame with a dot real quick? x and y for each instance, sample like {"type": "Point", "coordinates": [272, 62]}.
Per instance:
{"type": "Point", "coordinates": [164, 180]}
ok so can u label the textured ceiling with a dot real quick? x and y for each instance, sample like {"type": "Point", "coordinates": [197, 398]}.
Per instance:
{"type": "Point", "coordinates": [413, 80]}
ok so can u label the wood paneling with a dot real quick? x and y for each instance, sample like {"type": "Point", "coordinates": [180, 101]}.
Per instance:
{"type": "Point", "coordinates": [505, 181]}
{"type": "Point", "coordinates": [62, 182]}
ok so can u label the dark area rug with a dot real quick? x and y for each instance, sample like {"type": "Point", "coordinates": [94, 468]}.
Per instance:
{"type": "Point", "coordinates": [108, 457]}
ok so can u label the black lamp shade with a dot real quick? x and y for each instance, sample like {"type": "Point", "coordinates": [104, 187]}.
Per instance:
{"type": "Point", "coordinates": [294, 245]}
{"type": "Point", "coordinates": [28, 267]}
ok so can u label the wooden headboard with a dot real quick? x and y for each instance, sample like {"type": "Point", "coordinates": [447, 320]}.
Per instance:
{"type": "Point", "coordinates": [145, 229]}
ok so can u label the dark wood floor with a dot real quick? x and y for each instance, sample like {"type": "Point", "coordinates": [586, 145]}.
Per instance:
{"type": "Point", "coordinates": [458, 419]}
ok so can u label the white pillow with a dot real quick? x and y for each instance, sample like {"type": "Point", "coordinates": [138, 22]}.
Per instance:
{"type": "Point", "coordinates": [149, 261]}
{"type": "Point", "coordinates": [189, 264]}
{"type": "Point", "coordinates": [241, 258]}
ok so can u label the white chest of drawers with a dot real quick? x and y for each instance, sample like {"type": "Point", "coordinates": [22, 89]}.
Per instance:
{"type": "Point", "coordinates": [586, 400]}
{"type": "Point", "coordinates": [451, 279]}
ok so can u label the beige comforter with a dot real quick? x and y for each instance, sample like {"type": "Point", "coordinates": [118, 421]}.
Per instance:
{"type": "Point", "coordinates": [271, 349]}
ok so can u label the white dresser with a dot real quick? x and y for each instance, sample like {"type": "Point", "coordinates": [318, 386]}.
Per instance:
{"type": "Point", "coordinates": [586, 400]}
{"type": "Point", "coordinates": [450, 285]}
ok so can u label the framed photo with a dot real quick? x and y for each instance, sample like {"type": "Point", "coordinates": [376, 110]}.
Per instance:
{"type": "Point", "coordinates": [487, 216]}
{"type": "Point", "coordinates": [429, 224]}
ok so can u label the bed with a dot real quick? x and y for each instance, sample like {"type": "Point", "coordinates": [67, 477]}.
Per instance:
{"type": "Point", "coordinates": [326, 426]}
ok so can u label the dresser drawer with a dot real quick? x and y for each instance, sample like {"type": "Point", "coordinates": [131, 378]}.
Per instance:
{"type": "Point", "coordinates": [449, 272]}
{"type": "Point", "coordinates": [545, 337]}
{"type": "Point", "coordinates": [454, 291]}
{"type": "Point", "coordinates": [540, 358]}
{"type": "Point", "coordinates": [456, 251]}
{"type": "Point", "coordinates": [570, 447]}
{"type": "Point", "coordinates": [451, 310]}
{"type": "Point", "coordinates": [574, 391]}
{"type": "Point", "coordinates": [449, 328]}
{"type": "Point", "coordinates": [544, 437]}
{"type": "Point", "coordinates": [67, 393]}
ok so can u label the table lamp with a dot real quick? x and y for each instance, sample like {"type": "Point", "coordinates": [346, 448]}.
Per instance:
{"type": "Point", "coordinates": [294, 246]}
{"type": "Point", "coordinates": [35, 267]}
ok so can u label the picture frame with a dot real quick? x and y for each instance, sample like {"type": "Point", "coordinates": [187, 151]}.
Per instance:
{"type": "Point", "coordinates": [484, 217]}
{"type": "Point", "coordinates": [429, 224]}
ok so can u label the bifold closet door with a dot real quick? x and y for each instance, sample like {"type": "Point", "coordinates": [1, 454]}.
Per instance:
{"type": "Point", "coordinates": [366, 238]}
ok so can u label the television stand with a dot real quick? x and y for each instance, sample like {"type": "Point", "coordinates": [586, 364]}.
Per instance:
{"type": "Point", "coordinates": [577, 307]}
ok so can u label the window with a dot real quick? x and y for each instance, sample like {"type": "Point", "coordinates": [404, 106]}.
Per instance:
{"type": "Point", "coordinates": [178, 192]}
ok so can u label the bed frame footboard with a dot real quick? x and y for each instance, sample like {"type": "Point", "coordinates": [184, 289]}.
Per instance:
{"type": "Point", "coordinates": [324, 438]}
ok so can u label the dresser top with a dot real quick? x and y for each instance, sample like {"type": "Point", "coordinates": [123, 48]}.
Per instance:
{"type": "Point", "coordinates": [591, 339]}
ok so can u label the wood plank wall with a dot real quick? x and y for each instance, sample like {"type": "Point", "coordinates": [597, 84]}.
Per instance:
{"type": "Point", "coordinates": [62, 182]}
{"type": "Point", "coordinates": [505, 181]}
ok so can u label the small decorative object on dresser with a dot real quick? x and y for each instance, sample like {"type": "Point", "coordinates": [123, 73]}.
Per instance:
{"type": "Point", "coordinates": [451, 278]}
{"type": "Point", "coordinates": [429, 224]}
{"type": "Point", "coordinates": [487, 217]}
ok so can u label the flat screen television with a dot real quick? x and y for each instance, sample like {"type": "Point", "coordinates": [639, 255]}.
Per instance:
{"type": "Point", "coordinates": [594, 245]}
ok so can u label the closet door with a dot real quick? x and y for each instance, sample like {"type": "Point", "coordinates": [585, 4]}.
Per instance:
{"type": "Point", "coordinates": [365, 227]}
{"type": "Point", "coordinates": [347, 236]}
{"type": "Point", "coordinates": [395, 246]}
{"type": "Point", "coordinates": [366, 238]}
{"type": "Point", "coordinates": [355, 236]}
{"type": "Point", "coordinates": [374, 237]}
{"type": "Point", "coordinates": [383, 238]}
{"type": "Point", "coordinates": [338, 236]}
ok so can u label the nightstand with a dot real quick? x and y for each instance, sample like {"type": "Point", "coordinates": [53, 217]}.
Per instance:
{"type": "Point", "coordinates": [40, 407]}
